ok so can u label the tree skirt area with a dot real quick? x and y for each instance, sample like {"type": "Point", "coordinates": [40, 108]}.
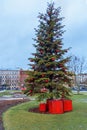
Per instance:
{"type": "Point", "coordinates": [36, 110]}
{"type": "Point", "coordinates": [5, 104]}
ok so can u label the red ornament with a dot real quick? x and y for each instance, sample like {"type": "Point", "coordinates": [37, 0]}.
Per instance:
{"type": "Point", "coordinates": [65, 80]}
{"type": "Point", "coordinates": [31, 60]}
{"type": "Point", "coordinates": [63, 95]}
{"type": "Point", "coordinates": [49, 13]}
{"type": "Point", "coordinates": [32, 79]}
{"type": "Point", "coordinates": [41, 51]}
{"type": "Point", "coordinates": [33, 67]}
{"type": "Point", "coordinates": [63, 69]}
{"type": "Point", "coordinates": [41, 43]}
{"type": "Point", "coordinates": [23, 89]}
{"type": "Point", "coordinates": [43, 75]}
{"type": "Point", "coordinates": [46, 80]}
{"type": "Point", "coordinates": [43, 90]}
{"type": "Point", "coordinates": [30, 91]}
{"type": "Point", "coordinates": [56, 51]}
{"type": "Point", "coordinates": [60, 65]}
{"type": "Point", "coordinates": [52, 58]}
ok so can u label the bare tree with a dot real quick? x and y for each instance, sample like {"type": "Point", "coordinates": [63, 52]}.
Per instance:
{"type": "Point", "coordinates": [77, 65]}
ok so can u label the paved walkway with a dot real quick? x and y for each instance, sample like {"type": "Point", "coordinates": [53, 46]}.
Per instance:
{"type": "Point", "coordinates": [13, 97]}
{"type": "Point", "coordinates": [6, 103]}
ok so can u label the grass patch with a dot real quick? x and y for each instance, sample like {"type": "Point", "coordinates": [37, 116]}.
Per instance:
{"type": "Point", "coordinates": [4, 93]}
{"type": "Point", "coordinates": [9, 92]}
{"type": "Point", "coordinates": [18, 117]}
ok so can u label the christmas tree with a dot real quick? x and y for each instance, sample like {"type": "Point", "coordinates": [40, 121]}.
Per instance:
{"type": "Point", "coordinates": [49, 75]}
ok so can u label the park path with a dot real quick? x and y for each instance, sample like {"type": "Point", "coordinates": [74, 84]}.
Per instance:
{"type": "Point", "coordinates": [5, 104]}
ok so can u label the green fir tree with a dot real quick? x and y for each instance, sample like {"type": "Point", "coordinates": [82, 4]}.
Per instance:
{"type": "Point", "coordinates": [49, 77]}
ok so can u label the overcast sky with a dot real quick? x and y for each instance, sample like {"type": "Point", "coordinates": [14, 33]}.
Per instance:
{"type": "Point", "coordinates": [18, 18]}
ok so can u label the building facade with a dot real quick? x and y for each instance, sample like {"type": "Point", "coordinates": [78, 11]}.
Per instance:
{"type": "Point", "coordinates": [23, 76]}
{"type": "Point", "coordinates": [13, 79]}
{"type": "Point", "coordinates": [9, 78]}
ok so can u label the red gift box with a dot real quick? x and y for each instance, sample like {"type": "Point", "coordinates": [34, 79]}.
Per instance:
{"type": "Point", "coordinates": [67, 105]}
{"type": "Point", "coordinates": [42, 107]}
{"type": "Point", "coordinates": [55, 106]}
